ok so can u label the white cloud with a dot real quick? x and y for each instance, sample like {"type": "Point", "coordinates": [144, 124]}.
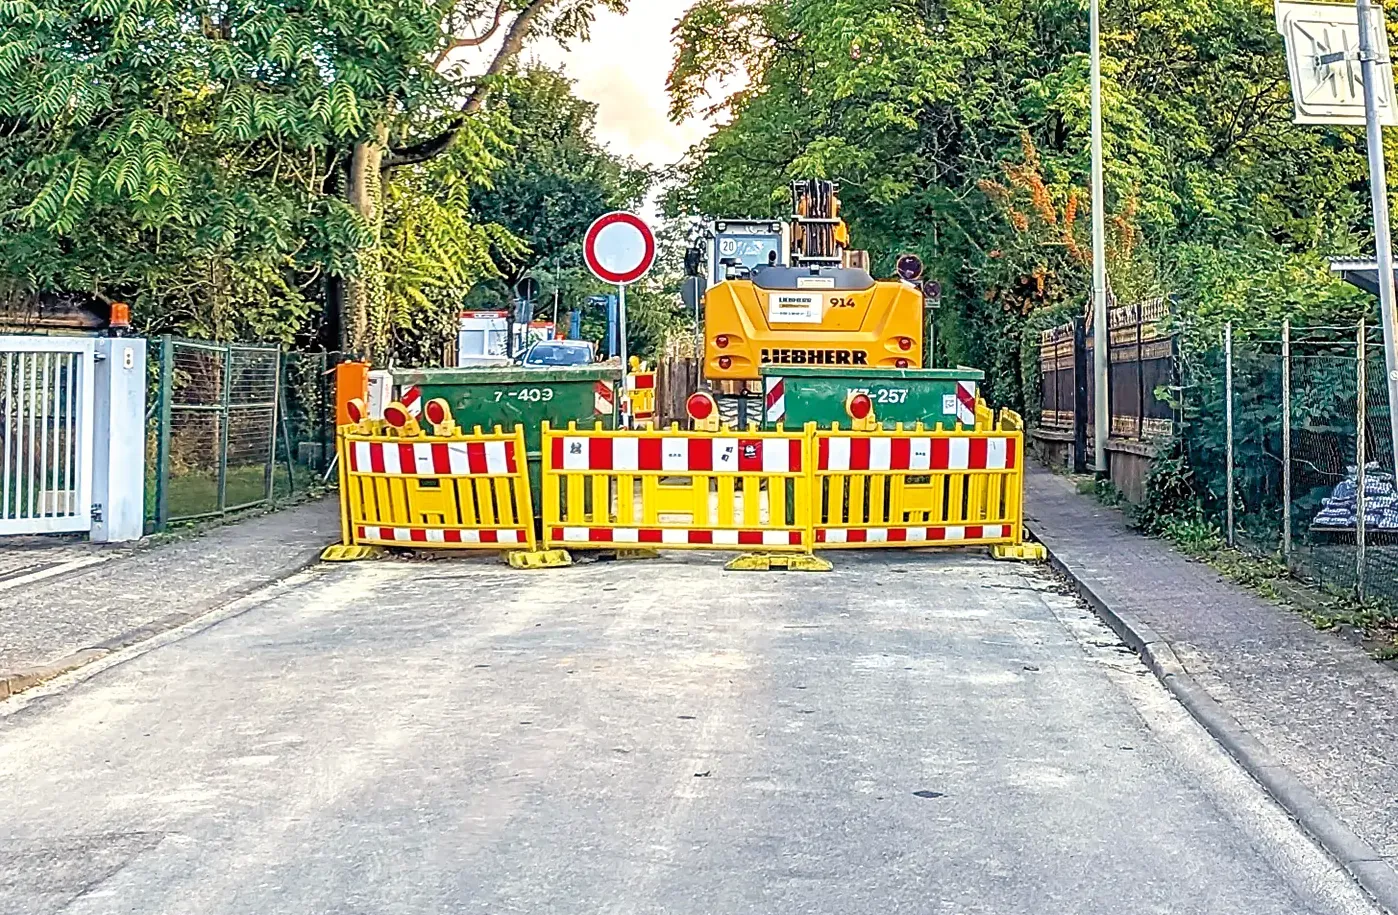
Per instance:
{"type": "Point", "coordinates": [623, 70]}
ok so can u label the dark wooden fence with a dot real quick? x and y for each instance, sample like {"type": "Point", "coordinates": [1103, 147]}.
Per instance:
{"type": "Point", "coordinates": [1142, 362]}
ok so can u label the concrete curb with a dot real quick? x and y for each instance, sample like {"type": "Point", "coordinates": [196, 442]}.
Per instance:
{"type": "Point", "coordinates": [1357, 857]}
{"type": "Point", "coordinates": [14, 682]}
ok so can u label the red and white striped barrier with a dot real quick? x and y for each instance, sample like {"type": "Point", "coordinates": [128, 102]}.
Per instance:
{"type": "Point", "coordinates": [412, 399]}
{"type": "Point", "coordinates": [411, 535]}
{"type": "Point", "coordinates": [653, 536]}
{"type": "Point", "coordinates": [432, 459]}
{"type": "Point", "coordinates": [603, 398]}
{"type": "Point", "coordinates": [774, 400]}
{"type": "Point", "coordinates": [966, 403]}
{"type": "Point", "coordinates": [914, 535]}
{"type": "Point", "coordinates": [677, 454]}
{"type": "Point", "coordinates": [915, 453]}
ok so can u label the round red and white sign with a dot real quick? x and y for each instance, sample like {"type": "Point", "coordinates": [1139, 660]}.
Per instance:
{"type": "Point", "coordinates": [619, 248]}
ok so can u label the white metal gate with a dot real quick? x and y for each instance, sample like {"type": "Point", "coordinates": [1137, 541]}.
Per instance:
{"type": "Point", "coordinates": [46, 391]}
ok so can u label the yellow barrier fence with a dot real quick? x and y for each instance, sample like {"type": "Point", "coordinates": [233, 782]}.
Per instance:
{"type": "Point", "coordinates": [780, 495]}
{"type": "Point", "coordinates": [919, 487]}
{"type": "Point", "coordinates": [640, 394]}
{"type": "Point", "coordinates": [456, 491]}
{"type": "Point", "coordinates": [671, 489]}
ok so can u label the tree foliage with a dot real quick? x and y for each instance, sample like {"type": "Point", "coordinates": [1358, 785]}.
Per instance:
{"type": "Point", "coordinates": [547, 195]}
{"type": "Point", "coordinates": [959, 130]}
{"type": "Point", "coordinates": [193, 157]}
{"type": "Point", "coordinates": [177, 154]}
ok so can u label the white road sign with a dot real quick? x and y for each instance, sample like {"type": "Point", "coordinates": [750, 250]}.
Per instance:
{"type": "Point", "coordinates": [1322, 53]}
{"type": "Point", "coordinates": [619, 248]}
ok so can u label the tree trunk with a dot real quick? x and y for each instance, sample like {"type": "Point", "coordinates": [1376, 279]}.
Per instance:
{"type": "Point", "coordinates": [365, 193]}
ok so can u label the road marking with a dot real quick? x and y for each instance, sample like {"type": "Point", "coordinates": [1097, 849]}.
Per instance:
{"type": "Point", "coordinates": [26, 577]}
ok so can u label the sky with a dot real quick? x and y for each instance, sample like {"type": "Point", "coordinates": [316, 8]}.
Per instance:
{"type": "Point", "coordinates": [623, 70]}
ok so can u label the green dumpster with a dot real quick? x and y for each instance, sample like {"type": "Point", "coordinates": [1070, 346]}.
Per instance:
{"type": "Point", "coordinates": [510, 396]}
{"type": "Point", "coordinates": [796, 395]}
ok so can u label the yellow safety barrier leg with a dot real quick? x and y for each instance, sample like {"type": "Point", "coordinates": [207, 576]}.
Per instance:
{"type": "Point", "coordinates": [1028, 551]}
{"type": "Point", "coordinates": [342, 552]}
{"type": "Point", "coordinates": [629, 555]}
{"type": "Point", "coordinates": [347, 550]}
{"type": "Point", "coordinates": [529, 560]}
{"type": "Point", "coordinates": [770, 562]}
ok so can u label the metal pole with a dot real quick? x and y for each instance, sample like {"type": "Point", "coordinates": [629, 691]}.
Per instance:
{"type": "Point", "coordinates": [555, 312]}
{"type": "Point", "coordinates": [1099, 252]}
{"type": "Point", "coordinates": [162, 459]}
{"type": "Point", "coordinates": [510, 329]}
{"type": "Point", "coordinates": [224, 411]}
{"type": "Point", "coordinates": [1378, 190]}
{"type": "Point", "coordinates": [1079, 395]}
{"type": "Point", "coordinates": [1228, 419]}
{"type": "Point", "coordinates": [1286, 442]}
{"type": "Point", "coordinates": [624, 350]}
{"type": "Point", "coordinates": [1361, 457]}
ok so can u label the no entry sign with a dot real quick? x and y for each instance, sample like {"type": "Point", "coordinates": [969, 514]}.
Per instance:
{"type": "Point", "coordinates": [619, 248]}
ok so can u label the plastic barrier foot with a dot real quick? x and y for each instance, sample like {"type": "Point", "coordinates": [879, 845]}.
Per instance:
{"type": "Point", "coordinates": [342, 553]}
{"type": "Point", "coordinates": [538, 559]}
{"type": "Point", "coordinates": [1021, 552]}
{"type": "Point", "coordinates": [766, 562]}
{"type": "Point", "coordinates": [623, 555]}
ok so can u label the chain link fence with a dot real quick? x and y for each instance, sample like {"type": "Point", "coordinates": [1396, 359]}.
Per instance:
{"type": "Point", "coordinates": [235, 427]}
{"type": "Point", "coordinates": [1299, 425]}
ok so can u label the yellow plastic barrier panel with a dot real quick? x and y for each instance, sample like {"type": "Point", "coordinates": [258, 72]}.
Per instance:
{"type": "Point", "coordinates": [640, 392]}
{"type": "Point", "coordinates": [455, 491]}
{"type": "Point", "coordinates": [918, 487]}
{"type": "Point", "coordinates": [674, 489]}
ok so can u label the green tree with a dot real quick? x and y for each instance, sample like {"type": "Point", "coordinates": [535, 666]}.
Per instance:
{"type": "Point", "coordinates": [414, 136]}
{"type": "Point", "coordinates": [959, 131]}
{"type": "Point", "coordinates": [160, 152]}
{"type": "Point", "coordinates": [221, 165]}
{"type": "Point", "coordinates": [556, 182]}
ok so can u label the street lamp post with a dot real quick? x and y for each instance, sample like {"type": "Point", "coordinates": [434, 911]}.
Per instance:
{"type": "Point", "coordinates": [1101, 400]}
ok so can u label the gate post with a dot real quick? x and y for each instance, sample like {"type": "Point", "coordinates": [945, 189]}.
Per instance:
{"type": "Point", "coordinates": [119, 441]}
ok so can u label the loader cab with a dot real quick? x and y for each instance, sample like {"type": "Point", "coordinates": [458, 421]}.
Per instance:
{"type": "Point", "coordinates": [730, 249]}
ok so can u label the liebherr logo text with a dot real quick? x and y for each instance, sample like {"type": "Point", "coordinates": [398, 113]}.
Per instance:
{"type": "Point", "coordinates": [815, 357]}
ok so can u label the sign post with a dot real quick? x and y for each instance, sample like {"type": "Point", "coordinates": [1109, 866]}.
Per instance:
{"type": "Point", "coordinates": [619, 248]}
{"type": "Point", "coordinates": [1337, 56]}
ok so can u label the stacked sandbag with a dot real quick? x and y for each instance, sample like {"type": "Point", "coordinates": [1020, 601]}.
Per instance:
{"type": "Point", "coordinates": [1341, 509]}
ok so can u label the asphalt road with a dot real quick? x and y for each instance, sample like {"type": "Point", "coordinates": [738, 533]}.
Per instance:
{"type": "Point", "coordinates": [932, 733]}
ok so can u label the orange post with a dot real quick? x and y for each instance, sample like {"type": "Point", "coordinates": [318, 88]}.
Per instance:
{"type": "Point", "coordinates": [351, 383]}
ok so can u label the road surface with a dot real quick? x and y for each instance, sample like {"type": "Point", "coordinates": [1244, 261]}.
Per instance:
{"type": "Point", "coordinates": [913, 733]}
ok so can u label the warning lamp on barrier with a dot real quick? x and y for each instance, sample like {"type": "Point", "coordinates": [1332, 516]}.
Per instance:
{"type": "Point", "coordinates": [399, 419]}
{"type": "Point", "coordinates": [438, 413]}
{"type": "Point", "coordinates": [861, 412]}
{"type": "Point", "coordinates": [703, 411]}
{"type": "Point", "coordinates": [356, 411]}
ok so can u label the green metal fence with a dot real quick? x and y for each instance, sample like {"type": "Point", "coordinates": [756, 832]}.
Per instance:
{"type": "Point", "coordinates": [235, 427]}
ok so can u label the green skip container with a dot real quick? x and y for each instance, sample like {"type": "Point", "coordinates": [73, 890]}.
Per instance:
{"type": "Point", "coordinates": [529, 397]}
{"type": "Point", "coordinates": [796, 395]}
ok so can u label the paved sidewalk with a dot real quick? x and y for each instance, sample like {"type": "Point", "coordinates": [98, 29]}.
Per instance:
{"type": "Point", "coordinates": [96, 599]}
{"type": "Point", "coordinates": [1312, 716]}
